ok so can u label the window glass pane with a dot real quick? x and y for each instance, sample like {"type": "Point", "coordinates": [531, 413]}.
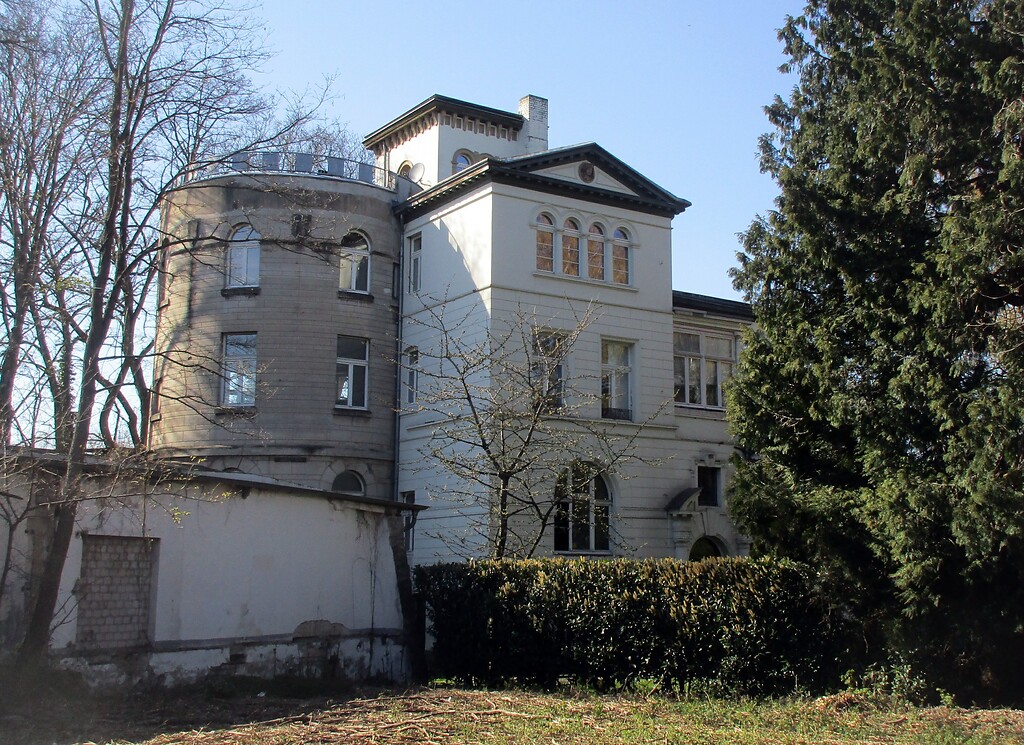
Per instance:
{"type": "Point", "coordinates": [348, 481]}
{"type": "Point", "coordinates": [545, 251]}
{"type": "Point", "coordinates": [595, 259]}
{"type": "Point", "coordinates": [346, 273]}
{"type": "Point", "coordinates": [571, 255]}
{"type": "Point", "coordinates": [240, 345]}
{"type": "Point", "coordinates": [693, 380]}
{"type": "Point", "coordinates": [601, 542]}
{"type": "Point", "coordinates": [356, 241]}
{"type": "Point", "coordinates": [687, 343]}
{"type": "Point", "coordinates": [614, 353]}
{"type": "Point", "coordinates": [620, 264]}
{"type": "Point", "coordinates": [680, 379]}
{"type": "Point", "coordinates": [362, 278]}
{"type": "Point", "coordinates": [581, 524]}
{"type": "Point", "coordinates": [352, 347]}
{"type": "Point", "coordinates": [344, 385]}
{"type": "Point", "coordinates": [358, 385]}
{"type": "Point", "coordinates": [711, 383]}
{"type": "Point", "coordinates": [716, 346]}
{"type": "Point", "coordinates": [562, 527]}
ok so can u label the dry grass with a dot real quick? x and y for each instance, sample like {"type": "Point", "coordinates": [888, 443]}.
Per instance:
{"type": "Point", "coordinates": [449, 715]}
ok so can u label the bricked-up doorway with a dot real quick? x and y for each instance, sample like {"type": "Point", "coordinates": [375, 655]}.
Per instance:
{"type": "Point", "coordinates": [115, 592]}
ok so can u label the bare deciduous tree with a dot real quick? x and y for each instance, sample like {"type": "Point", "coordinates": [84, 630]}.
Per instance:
{"type": "Point", "coordinates": [107, 107]}
{"type": "Point", "coordinates": [510, 429]}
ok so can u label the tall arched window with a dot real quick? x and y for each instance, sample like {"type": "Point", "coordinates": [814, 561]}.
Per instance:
{"type": "Point", "coordinates": [571, 248]}
{"type": "Point", "coordinates": [595, 252]}
{"type": "Point", "coordinates": [545, 243]}
{"type": "Point", "coordinates": [582, 511]}
{"type": "Point", "coordinates": [349, 482]}
{"type": "Point", "coordinates": [243, 258]}
{"type": "Point", "coordinates": [620, 256]}
{"type": "Point", "coordinates": [354, 263]}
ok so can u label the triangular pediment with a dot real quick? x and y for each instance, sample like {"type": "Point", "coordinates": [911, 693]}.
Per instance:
{"type": "Point", "coordinates": [591, 167]}
{"type": "Point", "coordinates": [566, 171]}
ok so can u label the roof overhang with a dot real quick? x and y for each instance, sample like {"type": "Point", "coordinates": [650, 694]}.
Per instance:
{"type": "Point", "coordinates": [435, 104]}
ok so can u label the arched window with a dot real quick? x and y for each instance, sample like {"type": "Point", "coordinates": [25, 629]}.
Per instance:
{"type": "Point", "coordinates": [545, 243]}
{"type": "Point", "coordinates": [405, 169]}
{"type": "Point", "coordinates": [620, 256]}
{"type": "Point", "coordinates": [243, 258]}
{"type": "Point", "coordinates": [582, 511]}
{"type": "Point", "coordinates": [461, 161]}
{"type": "Point", "coordinates": [704, 548]}
{"type": "Point", "coordinates": [354, 263]}
{"type": "Point", "coordinates": [349, 482]}
{"type": "Point", "coordinates": [595, 252]}
{"type": "Point", "coordinates": [571, 248]}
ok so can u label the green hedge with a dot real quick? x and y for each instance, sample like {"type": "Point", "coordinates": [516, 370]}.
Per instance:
{"type": "Point", "coordinates": [742, 625]}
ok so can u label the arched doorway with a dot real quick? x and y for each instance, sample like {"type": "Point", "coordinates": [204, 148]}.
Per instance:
{"type": "Point", "coordinates": [704, 548]}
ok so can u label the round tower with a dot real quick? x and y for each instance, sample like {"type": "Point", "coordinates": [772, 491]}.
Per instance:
{"type": "Point", "coordinates": [277, 322]}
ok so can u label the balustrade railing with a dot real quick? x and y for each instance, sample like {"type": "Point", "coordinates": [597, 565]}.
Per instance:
{"type": "Point", "coordinates": [270, 161]}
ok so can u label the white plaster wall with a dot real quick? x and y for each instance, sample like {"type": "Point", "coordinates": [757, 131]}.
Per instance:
{"type": "Point", "coordinates": [252, 567]}
{"type": "Point", "coordinates": [570, 172]}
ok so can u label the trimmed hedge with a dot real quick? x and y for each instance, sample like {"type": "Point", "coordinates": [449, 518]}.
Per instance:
{"type": "Point", "coordinates": [745, 626]}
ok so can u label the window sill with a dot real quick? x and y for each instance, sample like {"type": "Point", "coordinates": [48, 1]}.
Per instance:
{"type": "Point", "coordinates": [585, 280]}
{"type": "Point", "coordinates": [240, 291]}
{"type": "Point", "coordinates": [240, 411]}
{"type": "Point", "coordinates": [702, 412]}
{"type": "Point", "coordinates": [351, 412]}
{"type": "Point", "coordinates": [355, 295]}
{"type": "Point", "coordinates": [617, 415]}
{"type": "Point", "coordinates": [586, 554]}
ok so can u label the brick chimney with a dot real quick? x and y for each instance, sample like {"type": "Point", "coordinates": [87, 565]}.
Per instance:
{"type": "Point", "coordinates": [535, 110]}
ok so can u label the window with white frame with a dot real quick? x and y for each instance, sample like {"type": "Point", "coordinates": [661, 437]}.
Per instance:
{"type": "Point", "coordinates": [243, 258]}
{"type": "Point", "coordinates": [353, 355]}
{"type": "Point", "coordinates": [238, 385]}
{"type": "Point", "coordinates": [582, 511]}
{"type": "Point", "coordinates": [616, 361]}
{"type": "Point", "coordinates": [547, 370]}
{"type": "Point", "coordinates": [415, 258]}
{"type": "Point", "coordinates": [354, 263]}
{"type": "Point", "coordinates": [412, 375]}
{"type": "Point", "coordinates": [703, 364]}
{"type": "Point", "coordinates": [545, 243]}
{"type": "Point", "coordinates": [591, 255]}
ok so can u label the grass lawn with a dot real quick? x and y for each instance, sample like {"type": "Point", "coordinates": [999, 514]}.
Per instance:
{"type": "Point", "coordinates": [453, 715]}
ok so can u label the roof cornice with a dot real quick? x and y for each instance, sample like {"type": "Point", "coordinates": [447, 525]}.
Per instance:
{"type": "Point", "coordinates": [438, 103]}
{"type": "Point", "coordinates": [522, 171]}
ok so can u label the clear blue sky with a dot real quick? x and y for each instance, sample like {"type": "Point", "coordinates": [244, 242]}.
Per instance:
{"type": "Point", "coordinates": [676, 89]}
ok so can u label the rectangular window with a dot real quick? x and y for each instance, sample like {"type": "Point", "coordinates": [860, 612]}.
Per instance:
{"type": "Point", "coordinates": [615, 379]}
{"type": "Point", "coordinates": [353, 355]}
{"type": "Point", "coordinates": [548, 371]}
{"type": "Point", "coordinates": [243, 268]}
{"type": "Point", "coordinates": [710, 483]}
{"type": "Point", "coordinates": [354, 273]}
{"type": "Point", "coordinates": [415, 256]}
{"type": "Point", "coordinates": [582, 512]}
{"type": "Point", "coordinates": [703, 364]}
{"type": "Point", "coordinates": [412, 375]}
{"type": "Point", "coordinates": [239, 373]}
